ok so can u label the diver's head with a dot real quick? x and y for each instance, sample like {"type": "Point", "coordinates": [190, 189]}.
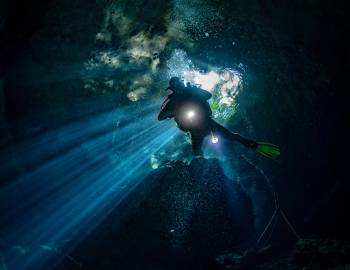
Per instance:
{"type": "Point", "coordinates": [175, 84]}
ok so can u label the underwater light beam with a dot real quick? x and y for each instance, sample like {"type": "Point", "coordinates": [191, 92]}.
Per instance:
{"type": "Point", "coordinates": [69, 167]}
{"type": "Point", "coordinates": [72, 191]}
{"type": "Point", "coordinates": [37, 150]}
{"type": "Point", "coordinates": [94, 202]}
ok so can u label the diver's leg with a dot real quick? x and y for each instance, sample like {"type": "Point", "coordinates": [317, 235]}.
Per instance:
{"type": "Point", "coordinates": [197, 141]}
{"type": "Point", "coordinates": [228, 135]}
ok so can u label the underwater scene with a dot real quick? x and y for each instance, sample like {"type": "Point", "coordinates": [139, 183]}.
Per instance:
{"type": "Point", "coordinates": [174, 135]}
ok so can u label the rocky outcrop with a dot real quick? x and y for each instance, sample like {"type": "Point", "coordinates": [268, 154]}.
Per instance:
{"type": "Point", "coordinates": [307, 254]}
{"type": "Point", "coordinates": [182, 216]}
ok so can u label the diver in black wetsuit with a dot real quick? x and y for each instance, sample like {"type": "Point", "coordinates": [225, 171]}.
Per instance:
{"type": "Point", "coordinates": [192, 113]}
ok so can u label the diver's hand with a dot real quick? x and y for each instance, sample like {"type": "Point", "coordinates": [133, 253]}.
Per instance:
{"type": "Point", "coordinates": [164, 115]}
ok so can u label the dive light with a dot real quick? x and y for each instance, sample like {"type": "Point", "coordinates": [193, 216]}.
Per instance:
{"type": "Point", "coordinates": [214, 139]}
{"type": "Point", "coordinates": [190, 114]}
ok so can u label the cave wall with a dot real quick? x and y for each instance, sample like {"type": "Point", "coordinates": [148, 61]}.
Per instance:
{"type": "Point", "coordinates": [297, 54]}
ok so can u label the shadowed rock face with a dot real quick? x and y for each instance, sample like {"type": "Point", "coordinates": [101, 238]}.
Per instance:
{"type": "Point", "coordinates": [182, 216]}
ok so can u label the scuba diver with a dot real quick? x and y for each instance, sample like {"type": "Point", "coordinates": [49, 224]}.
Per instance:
{"type": "Point", "coordinates": [189, 106]}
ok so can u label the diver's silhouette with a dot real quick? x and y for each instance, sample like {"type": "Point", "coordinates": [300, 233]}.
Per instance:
{"type": "Point", "coordinates": [189, 107]}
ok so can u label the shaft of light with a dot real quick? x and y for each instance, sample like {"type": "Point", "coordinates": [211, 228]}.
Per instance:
{"type": "Point", "coordinates": [68, 193]}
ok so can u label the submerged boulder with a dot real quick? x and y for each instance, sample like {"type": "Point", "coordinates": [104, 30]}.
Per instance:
{"type": "Point", "coordinates": [182, 215]}
{"type": "Point", "coordinates": [310, 254]}
{"type": "Point", "coordinates": [322, 253]}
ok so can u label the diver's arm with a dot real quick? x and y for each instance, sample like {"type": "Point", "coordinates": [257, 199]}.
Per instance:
{"type": "Point", "coordinates": [166, 111]}
{"type": "Point", "coordinates": [201, 93]}
{"type": "Point", "coordinates": [205, 94]}
{"type": "Point", "coordinates": [164, 114]}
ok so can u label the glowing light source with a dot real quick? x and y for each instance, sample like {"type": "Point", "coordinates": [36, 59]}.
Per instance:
{"type": "Point", "coordinates": [190, 114]}
{"type": "Point", "coordinates": [214, 139]}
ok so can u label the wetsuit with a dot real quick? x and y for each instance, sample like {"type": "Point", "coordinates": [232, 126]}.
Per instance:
{"type": "Point", "coordinates": [191, 98]}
